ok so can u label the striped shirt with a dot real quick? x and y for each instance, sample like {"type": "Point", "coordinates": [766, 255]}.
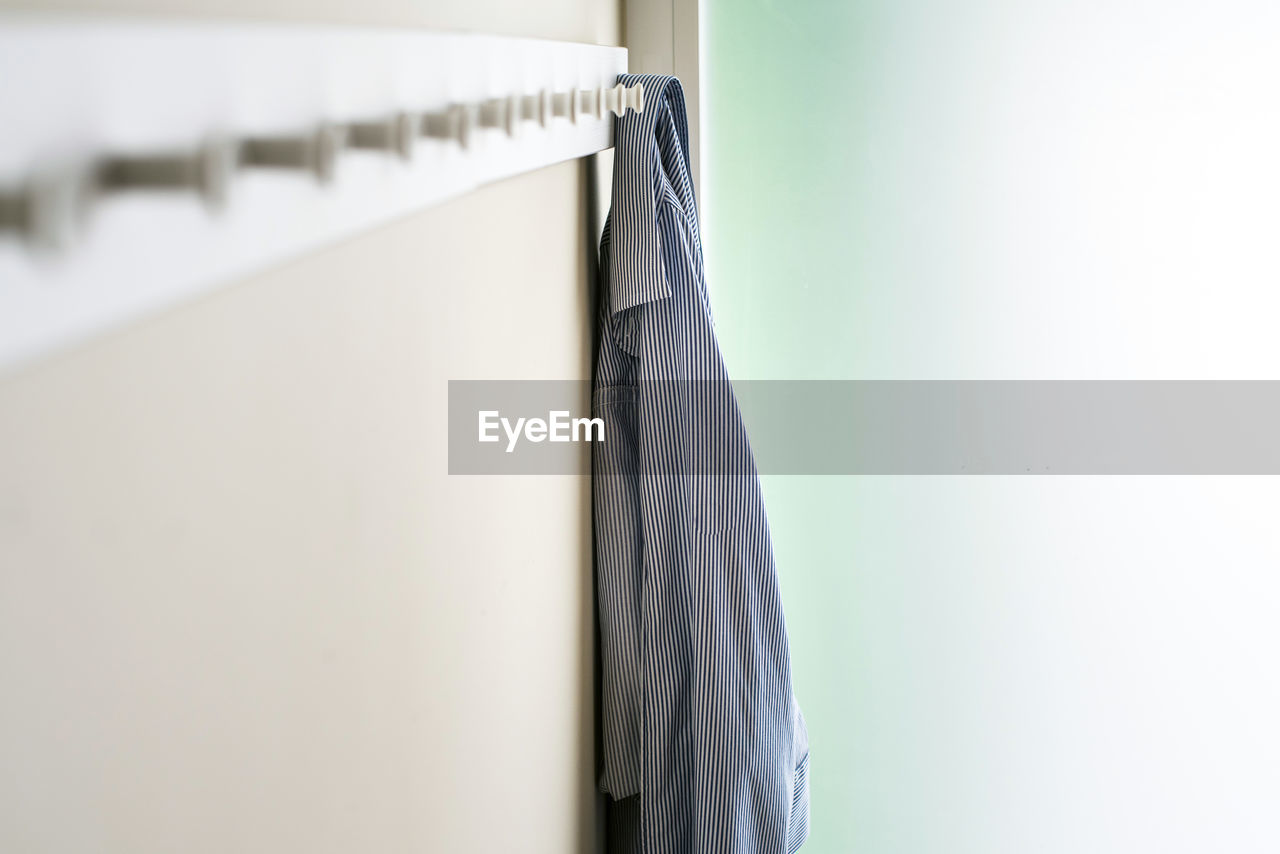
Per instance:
{"type": "Point", "coordinates": [705, 749]}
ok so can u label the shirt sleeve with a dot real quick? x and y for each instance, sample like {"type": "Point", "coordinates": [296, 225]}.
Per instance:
{"type": "Point", "coordinates": [636, 274]}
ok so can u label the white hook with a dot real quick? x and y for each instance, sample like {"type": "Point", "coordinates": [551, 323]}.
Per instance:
{"type": "Point", "coordinates": [593, 102]}
{"type": "Point", "coordinates": [618, 99]}
{"type": "Point", "coordinates": [395, 134]}
{"type": "Point", "coordinates": [565, 105]}
{"type": "Point", "coordinates": [613, 99]}
{"type": "Point", "coordinates": [454, 123]}
{"type": "Point", "coordinates": [537, 108]}
{"type": "Point", "coordinates": [501, 113]}
{"type": "Point", "coordinates": [207, 171]}
{"type": "Point", "coordinates": [597, 102]}
{"type": "Point", "coordinates": [316, 152]}
{"type": "Point", "coordinates": [633, 97]}
{"type": "Point", "coordinates": [49, 210]}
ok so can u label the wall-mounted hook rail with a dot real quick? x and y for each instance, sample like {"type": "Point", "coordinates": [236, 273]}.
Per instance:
{"type": "Point", "coordinates": [107, 192]}
{"type": "Point", "coordinates": [209, 170]}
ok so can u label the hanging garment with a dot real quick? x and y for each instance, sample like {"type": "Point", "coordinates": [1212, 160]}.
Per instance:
{"type": "Point", "coordinates": [705, 749]}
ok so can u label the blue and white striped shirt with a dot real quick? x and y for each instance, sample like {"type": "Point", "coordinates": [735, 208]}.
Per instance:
{"type": "Point", "coordinates": [705, 748]}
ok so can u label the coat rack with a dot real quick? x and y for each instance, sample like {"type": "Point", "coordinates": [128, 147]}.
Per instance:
{"type": "Point", "coordinates": [144, 161]}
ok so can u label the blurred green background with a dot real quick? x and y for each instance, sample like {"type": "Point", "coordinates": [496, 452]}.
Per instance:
{"type": "Point", "coordinates": [921, 189]}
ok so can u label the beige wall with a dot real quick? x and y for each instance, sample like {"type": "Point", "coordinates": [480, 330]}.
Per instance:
{"type": "Point", "coordinates": [242, 605]}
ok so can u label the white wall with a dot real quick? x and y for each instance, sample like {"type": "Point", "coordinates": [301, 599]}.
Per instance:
{"type": "Point", "coordinates": [242, 605]}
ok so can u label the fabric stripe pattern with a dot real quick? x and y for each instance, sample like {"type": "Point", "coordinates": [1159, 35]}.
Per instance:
{"type": "Point", "coordinates": [700, 723]}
